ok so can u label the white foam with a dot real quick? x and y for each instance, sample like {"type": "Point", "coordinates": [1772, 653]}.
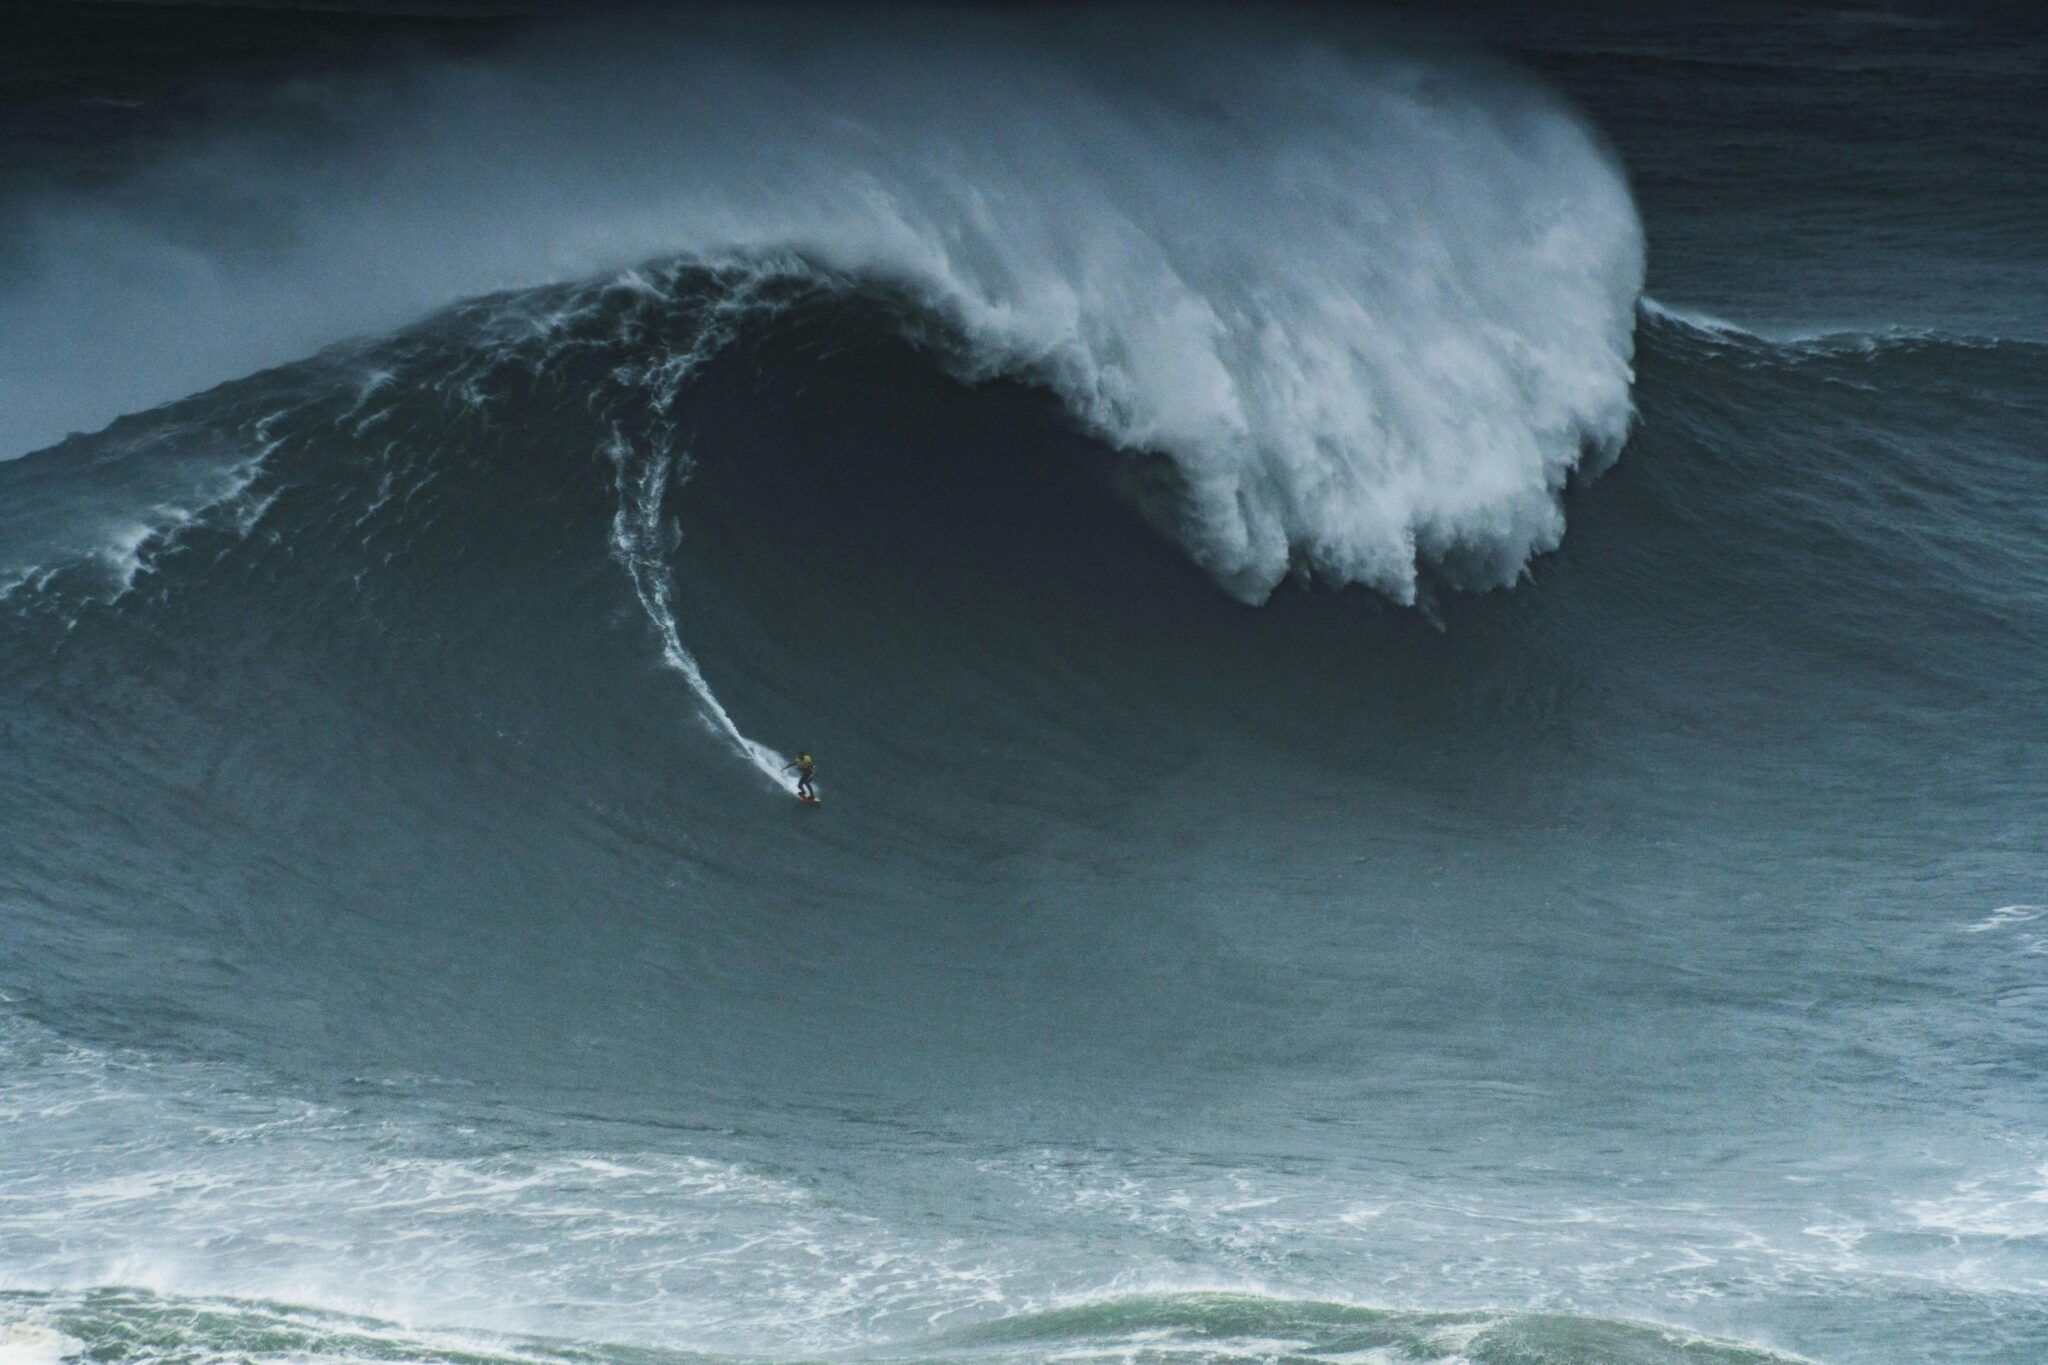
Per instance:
{"type": "Point", "coordinates": [26, 1343]}
{"type": "Point", "coordinates": [639, 537]}
{"type": "Point", "coordinates": [2011, 1205]}
{"type": "Point", "coordinates": [2004, 916]}
{"type": "Point", "coordinates": [1374, 307]}
{"type": "Point", "coordinates": [124, 535]}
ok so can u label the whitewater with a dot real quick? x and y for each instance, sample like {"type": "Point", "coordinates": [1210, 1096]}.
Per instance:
{"type": "Point", "coordinates": [1282, 896]}
{"type": "Point", "coordinates": [1378, 313]}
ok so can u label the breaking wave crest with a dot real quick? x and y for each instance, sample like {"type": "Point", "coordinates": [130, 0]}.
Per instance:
{"type": "Point", "coordinates": [1204, 1328]}
{"type": "Point", "coordinates": [1375, 307]}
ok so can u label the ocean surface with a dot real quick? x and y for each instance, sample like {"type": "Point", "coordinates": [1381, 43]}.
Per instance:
{"type": "Point", "coordinates": [1426, 636]}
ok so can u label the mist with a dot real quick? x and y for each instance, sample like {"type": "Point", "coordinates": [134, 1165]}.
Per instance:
{"type": "Point", "coordinates": [1375, 304]}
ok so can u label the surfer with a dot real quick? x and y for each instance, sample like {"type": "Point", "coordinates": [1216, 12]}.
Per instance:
{"type": "Point", "coordinates": [805, 769]}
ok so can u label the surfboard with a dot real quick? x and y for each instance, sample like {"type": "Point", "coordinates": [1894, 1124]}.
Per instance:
{"type": "Point", "coordinates": [808, 800]}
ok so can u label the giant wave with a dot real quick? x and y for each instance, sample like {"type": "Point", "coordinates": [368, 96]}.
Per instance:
{"type": "Point", "coordinates": [1376, 306]}
{"type": "Point", "coordinates": [391, 927]}
{"type": "Point", "coordinates": [372, 674]}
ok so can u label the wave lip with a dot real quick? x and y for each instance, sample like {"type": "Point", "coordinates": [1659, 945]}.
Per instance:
{"type": "Point", "coordinates": [1229, 1325]}
{"type": "Point", "coordinates": [1205, 1326]}
{"type": "Point", "coordinates": [1374, 307]}
{"type": "Point", "coordinates": [1380, 322]}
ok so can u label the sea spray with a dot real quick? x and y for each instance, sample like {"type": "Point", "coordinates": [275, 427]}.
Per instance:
{"type": "Point", "coordinates": [1376, 307]}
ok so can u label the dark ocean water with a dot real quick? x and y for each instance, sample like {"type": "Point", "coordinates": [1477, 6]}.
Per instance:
{"type": "Point", "coordinates": [1279, 893]}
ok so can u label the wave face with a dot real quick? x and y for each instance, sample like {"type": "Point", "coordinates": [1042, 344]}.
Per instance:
{"type": "Point", "coordinates": [512, 582]}
{"type": "Point", "coordinates": [409, 949]}
{"type": "Point", "coordinates": [1374, 306]}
